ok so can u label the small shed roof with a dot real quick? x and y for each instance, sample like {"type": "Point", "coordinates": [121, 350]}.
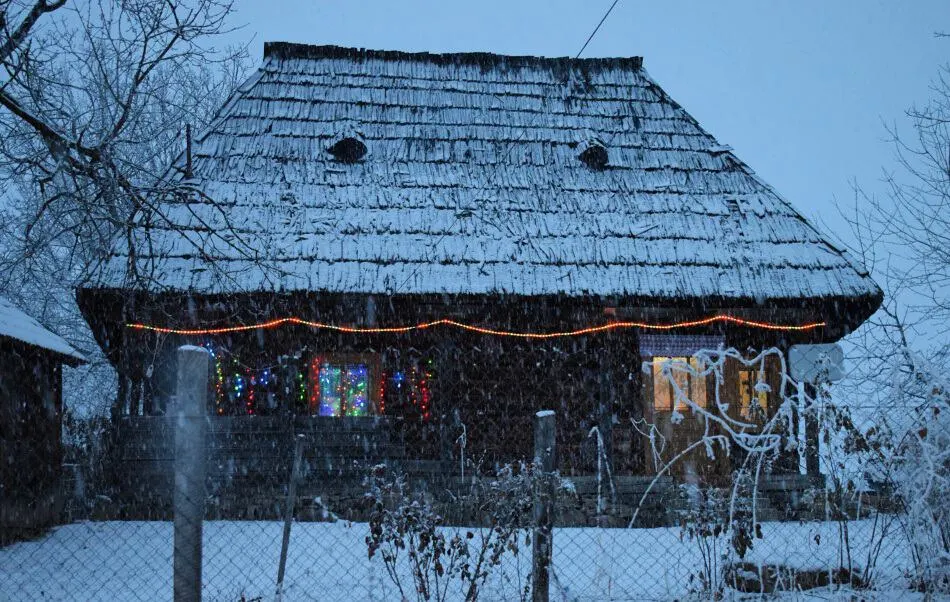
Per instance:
{"type": "Point", "coordinates": [472, 182]}
{"type": "Point", "coordinates": [18, 325]}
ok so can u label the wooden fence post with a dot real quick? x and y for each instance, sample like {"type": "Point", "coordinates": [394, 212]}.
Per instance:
{"type": "Point", "coordinates": [189, 498]}
{"type": "Point", "coordinates": [542, 544]}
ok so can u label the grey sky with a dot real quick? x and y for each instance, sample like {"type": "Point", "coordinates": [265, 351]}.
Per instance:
{"type": "Point", "coordinates": [799, 89]}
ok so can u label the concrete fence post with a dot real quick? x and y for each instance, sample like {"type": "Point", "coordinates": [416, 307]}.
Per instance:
{"type": "Point", "coordinates": [189, 498]}
{"type": "Point", "coordinates": [542, 542]}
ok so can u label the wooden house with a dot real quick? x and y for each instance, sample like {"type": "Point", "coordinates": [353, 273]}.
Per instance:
{"type": "Point", "coordinates": [31, 409]}
{"type": "Point", "coordinates": [428, 248]}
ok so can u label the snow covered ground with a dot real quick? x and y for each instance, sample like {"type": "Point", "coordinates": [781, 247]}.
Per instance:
{"type": "Point", "coordinates": [120, 561]}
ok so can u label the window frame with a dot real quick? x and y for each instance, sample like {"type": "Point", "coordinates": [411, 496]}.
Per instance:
{"type": "Point", "coordinates": [343, 361]}
{"type": "Point", "coordinates": [692, 384]}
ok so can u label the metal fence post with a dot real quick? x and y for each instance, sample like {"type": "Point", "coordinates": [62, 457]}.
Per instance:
{"type": "Point", "coordinates": [189, 497]}
{"type": "Point", "coordinates": [812, 431]}
{"type": "Point", "coordinates": [542, 544]}
{"type": "Point", "coordinates": [289, 514]}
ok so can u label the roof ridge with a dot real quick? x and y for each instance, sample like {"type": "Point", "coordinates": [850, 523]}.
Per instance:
{"type": "Point", "coordinates": [290, 50]}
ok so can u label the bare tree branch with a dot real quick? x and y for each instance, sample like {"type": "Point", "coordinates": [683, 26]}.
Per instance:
{"type": "Point", "coordinates": [14, 41]}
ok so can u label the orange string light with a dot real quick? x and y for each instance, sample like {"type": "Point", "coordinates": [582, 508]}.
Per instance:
{"type": "Point", "coordinates": [489, 331]}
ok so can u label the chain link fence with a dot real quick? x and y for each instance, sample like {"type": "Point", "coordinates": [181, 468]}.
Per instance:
{"type": "Point", "coordinates": [395, 496]}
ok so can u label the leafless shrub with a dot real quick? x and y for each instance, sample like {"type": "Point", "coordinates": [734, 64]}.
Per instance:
{"type": "Point", "coordinates": [405, 527]}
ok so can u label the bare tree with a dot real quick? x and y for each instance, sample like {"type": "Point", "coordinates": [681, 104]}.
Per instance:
{"type": "Point", "coordinates": [901, 357]}
{"type": "Point", "coordinates": [905, 233]}
{"type": "Point", "coordinates": [94, 99]}
{"type": "Point", "coordinates": [95, 95]}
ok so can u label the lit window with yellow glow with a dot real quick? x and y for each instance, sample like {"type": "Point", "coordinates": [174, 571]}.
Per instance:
{"type": "Point", "coordinates": [687, 380]}
{"type": "Point", "coordinates": [753, 394]}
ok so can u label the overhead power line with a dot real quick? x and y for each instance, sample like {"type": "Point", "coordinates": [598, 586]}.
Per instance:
{"type": "Point", "coordinates": [596, 29]}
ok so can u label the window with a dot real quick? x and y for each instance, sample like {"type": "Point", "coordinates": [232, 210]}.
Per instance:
{"type": "Point", "coordinates": [753, 393]}
{"type": "Point", "coordinates": [343, 385]}
{"type": "Point", "coordinates": [686, 381]}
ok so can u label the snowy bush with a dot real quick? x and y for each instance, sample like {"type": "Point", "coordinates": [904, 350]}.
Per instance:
{"type": "Point", "coordinates": [723, 525]}
{"type": "Point", "coordinates": [405, 529]}
{"type": "Point", "coordinates": [905, 452]}
{"type": "Point", "coordinates": [902, 236]}
{"type": "Point", "coordinates": [721, 536]}
{"type": "Point", "coordinates": [921, 473]}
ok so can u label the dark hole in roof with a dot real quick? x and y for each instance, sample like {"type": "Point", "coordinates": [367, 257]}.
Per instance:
{"type": "Point", "coordinates": [595, 156]}
{"type": "Point", "coordinates": [348, 150]}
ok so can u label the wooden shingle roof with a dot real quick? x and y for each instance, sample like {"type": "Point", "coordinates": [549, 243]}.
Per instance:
{"type": "Point", "coordinates": [471, 183]}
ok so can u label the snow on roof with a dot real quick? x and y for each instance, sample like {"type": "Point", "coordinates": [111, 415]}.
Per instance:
{"type": "Point", "coordinates": [471, 183]}
{"type": "Point", "coordinates": [18, 325]}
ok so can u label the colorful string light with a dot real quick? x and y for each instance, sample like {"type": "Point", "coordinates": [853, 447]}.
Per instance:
{"type": "Point", "coordinates": [314, 379]}
{"type": "Point", "coordinates": [301, 390]}
{"type": "Point", "coordinates": [356, 399]}
{"type": "Point", "coordinates": [478, 329]}
{"type": "Point", "coordinates": [251, 383]}
{"type": "Point", "coordinates": [381, 393]}
{"type": "Point", "coordinates": [425, 395]}
{"type": "Point", "coordinates": [337, 390]}
{"type": "Point", "coordinates": [331, 390]}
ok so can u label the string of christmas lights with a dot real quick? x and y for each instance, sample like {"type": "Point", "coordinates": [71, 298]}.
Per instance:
{"type": "Point", "coordinates": [413, 387]}
{"type": "Point", "coordinates": [218, 380]}
{"type": "Point", "coordinates": [339, 389]}
{"type": "Point", "coordinates": [319, 385]}
{"type": "Point", "coordinates": [381, 393]}
{"type": "Point", "coordinates": [478, 329]}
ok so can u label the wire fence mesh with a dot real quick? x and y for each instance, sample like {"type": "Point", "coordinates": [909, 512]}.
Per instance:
{"type": "Point", "coordinates": [399, 496]}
